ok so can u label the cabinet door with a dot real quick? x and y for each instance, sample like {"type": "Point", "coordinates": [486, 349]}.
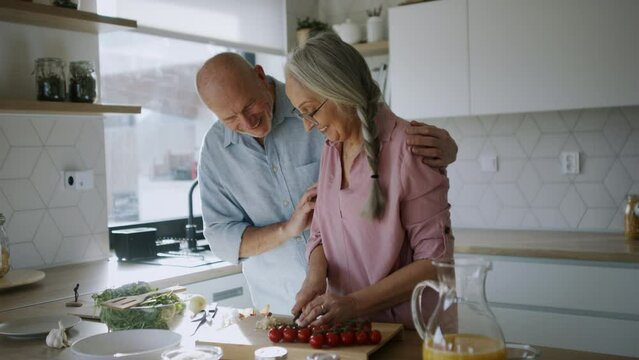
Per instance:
{"type": "Point", "coordinates": [429, 59]}
{"type": "Point", "coordinates": [552, 54]}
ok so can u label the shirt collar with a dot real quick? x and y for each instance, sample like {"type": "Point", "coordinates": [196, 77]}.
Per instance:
{"type": "Point", "coordinates": [282, 109]}
{"type": "Point", "coordinates": [386, 122]}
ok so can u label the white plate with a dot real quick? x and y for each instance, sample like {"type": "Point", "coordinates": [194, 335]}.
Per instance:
{"type": "Point", "coordinates": [126, 344]}
{"type": "Point", "coordinates": [36, 326]}
{"type": "Point", "coordinates": [20, 277]}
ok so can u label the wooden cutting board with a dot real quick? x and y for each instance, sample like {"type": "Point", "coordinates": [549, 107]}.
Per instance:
{"type": "Point", "coordinates": [240, 340]}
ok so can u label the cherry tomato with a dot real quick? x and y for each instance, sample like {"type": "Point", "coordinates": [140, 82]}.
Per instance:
{"type": "Point", "coordinates": [304, 335]}
{"type": "Point", "coordinates": [375, 337]}
{"type": "Point", "coordinates": [275, 335]}
{"type": "Point", "coordinates": [347, 338]}
{"type": "Point", "coordinates": [317, 341]}
{"type": "Point", "coordinates": [361, 338]}
{"type": "Point", "coordinates": [289, 334]}
{"type": "Point", "coordinates": [332, 339]}
{"type": "Point", "coordinates": [366, 325]}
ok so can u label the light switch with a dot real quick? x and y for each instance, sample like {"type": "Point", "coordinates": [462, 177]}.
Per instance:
{"type": "Point", "coordinates": [570, 162]}
{"type": "Point", "coordinates": [488, 163]}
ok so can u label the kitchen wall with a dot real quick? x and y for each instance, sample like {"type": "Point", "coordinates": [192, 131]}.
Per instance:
{"type": "Point", "coordinates": [529, 190]}
{"type": "Point", "coordinates": [46, 224]}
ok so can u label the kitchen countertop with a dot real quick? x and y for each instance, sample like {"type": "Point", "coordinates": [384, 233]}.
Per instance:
{"type": "Point", "coordinates": [49, 296]}
{"type": "Point", "coordinates": [96, 276]}
{"type": "Point", "coordinates": [547, 244]}
{"type": "Point", "coordinates": [408, 348]}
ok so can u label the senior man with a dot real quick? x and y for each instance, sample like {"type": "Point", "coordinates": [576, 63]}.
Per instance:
{"type": "Point", "coordinates": [257, 171]}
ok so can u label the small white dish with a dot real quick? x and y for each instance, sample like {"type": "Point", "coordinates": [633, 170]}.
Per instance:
{"type": "Point", "coordinates": [126, 344]}
{"type": "Point", "coordinates": [36, 326]}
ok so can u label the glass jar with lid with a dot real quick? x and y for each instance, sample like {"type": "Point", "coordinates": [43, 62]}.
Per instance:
{"type": "Point", "coordinates": [50, 79]}
{"type": "Point", "coordinates": [4, 248]}
{"type": "Point", "coordinates": [82, 81]}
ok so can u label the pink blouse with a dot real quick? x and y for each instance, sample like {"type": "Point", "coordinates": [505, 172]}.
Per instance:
{"type": "Point", "coordinates": [416, 222]}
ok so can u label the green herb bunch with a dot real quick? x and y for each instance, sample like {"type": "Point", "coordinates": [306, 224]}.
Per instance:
{"type": "Point", "coordinates": [156, 312]}
{"type": "Point", "coordinates": [314, 25]}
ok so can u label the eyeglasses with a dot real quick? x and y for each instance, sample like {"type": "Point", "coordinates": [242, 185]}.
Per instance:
{"type": "Point", "coordinates": [310, 116]}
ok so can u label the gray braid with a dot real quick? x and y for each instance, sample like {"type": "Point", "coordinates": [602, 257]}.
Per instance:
{"type": "Point", "coordinates": [374, 208]}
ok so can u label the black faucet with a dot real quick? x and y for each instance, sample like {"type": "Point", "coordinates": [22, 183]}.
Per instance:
{"type": "Point", "coordinates": [190, 227]}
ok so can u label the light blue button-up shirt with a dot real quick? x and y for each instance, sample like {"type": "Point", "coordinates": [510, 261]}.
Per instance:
{"type": "Point", "coordinates": [244, 184]}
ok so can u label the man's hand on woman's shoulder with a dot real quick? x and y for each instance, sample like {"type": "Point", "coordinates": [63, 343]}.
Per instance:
{"type": "Point", "coordinates": [436, 145]}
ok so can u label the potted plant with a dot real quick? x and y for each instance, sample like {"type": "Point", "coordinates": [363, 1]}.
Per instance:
{"type": "Point", "coordinates": [308, 27]}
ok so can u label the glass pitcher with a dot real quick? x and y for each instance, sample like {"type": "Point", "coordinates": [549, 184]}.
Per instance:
{"type": "Point", "coordinates": [461, 325]}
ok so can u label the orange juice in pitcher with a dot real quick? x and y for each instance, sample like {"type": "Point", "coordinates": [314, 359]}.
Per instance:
{"type": "Point", "coordinates": [466, 347]}
{"type": "Point", "coordinates": [461, 327]}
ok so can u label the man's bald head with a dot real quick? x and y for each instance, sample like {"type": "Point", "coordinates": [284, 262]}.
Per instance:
{"type": "Point", "coordinates": [238, 93]}
{"type": "Point", "coordinates": [222, 69]}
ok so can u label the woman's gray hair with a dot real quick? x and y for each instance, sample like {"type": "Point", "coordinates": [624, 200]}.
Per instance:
{"type": "Point", "coordinates": [334, 70]}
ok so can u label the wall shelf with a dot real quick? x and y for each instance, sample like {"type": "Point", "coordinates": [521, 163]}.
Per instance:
{"type": "Point", "coordinates": [67, 108]}
{"type": "Point", "coordinates": [24, 12]}
{"type": "Point", "coordinates": [370, 49]}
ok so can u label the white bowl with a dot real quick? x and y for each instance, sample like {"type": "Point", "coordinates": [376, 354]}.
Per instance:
{"type": "Point", "coordinates": [126, 344]}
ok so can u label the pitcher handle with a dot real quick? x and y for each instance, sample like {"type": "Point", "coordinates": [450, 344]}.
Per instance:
{"type": "Point", "coordinates": [416, 303]}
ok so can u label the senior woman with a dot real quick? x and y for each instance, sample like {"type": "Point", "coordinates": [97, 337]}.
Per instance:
{"type": "Point", "coordinates": [381, 216]}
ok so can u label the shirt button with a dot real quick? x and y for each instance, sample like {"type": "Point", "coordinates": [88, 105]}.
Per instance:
{"type": "Point", "coordinates": [285, 202]}
{"type": "Point", "coordinates": [274, 168]}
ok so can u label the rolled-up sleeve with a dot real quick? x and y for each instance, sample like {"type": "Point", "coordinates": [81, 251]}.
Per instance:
{"type": "Point", "coordinates": [425, 211]}
{"type": "Point", "coordinates": [315, 237]}
{"type": "Point", "coordinates": [224, 220]}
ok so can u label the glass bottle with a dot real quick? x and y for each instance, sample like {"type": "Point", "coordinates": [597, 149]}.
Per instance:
{"type": "Point", "coordinates": [82, 81]}
{"type": "Point", "coordinates": [632, 217]}
{"type": "Point", "coordinates": [4, 248]}
{"type": "Point", "coordinates": [50, 79]}
{"type": "Point", "coordinates": [462, 326]}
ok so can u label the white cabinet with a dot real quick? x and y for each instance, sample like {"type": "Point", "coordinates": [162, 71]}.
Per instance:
{"type": "Point", "coordinates": [552, 54]}
{"type": "Point", "coordinates": [461, 57]}
{"type": "Point", "coordinates": [580, 305]}
{"type": "Point", "coordinates": [429, 59]}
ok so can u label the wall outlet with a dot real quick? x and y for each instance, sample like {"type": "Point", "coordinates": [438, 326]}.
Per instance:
{"type": "Point", "coordinates": [78, 180]}
{"type": "Point", "coordinates": [488, 163]}
{"type": "Point", "coordinates": [569, 162]}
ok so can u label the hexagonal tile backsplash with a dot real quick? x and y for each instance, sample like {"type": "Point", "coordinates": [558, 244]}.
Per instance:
{"type": "Point", "coordinates": [48, 225]}
{"type": "Point", "coordinates": [529, 190]}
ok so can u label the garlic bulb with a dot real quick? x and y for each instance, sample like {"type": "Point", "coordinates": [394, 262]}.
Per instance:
{"type": "Point", "coordinates": [57, 338]}
{"type": "Point", "coordinates": [197, 304]}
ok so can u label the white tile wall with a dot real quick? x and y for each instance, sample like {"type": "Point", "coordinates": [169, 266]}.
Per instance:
{"type": "Point", "coordinates": [529, 191]}
{"type": "Point", "coordinates": [46, 224]}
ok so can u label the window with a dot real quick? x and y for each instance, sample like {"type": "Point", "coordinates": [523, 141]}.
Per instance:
{"type": "Point", "coordinates": [151, 158]}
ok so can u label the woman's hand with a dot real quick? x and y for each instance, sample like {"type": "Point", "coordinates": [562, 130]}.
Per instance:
{"type": "Point", "coordinates": [332, 308]}
{"type": "Point", "coordinates": [303, 213]}
{"type": "Point", "coordinates": [311, 288]}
